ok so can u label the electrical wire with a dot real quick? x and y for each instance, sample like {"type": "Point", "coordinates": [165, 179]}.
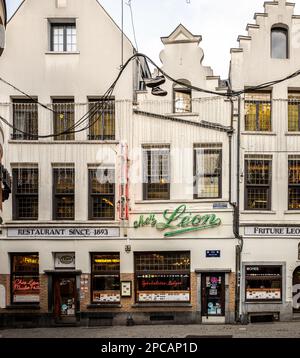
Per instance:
{"type": "Point", "coordinates": [100, 105]}
{"type": "Point", "coordinates": [132, 23]}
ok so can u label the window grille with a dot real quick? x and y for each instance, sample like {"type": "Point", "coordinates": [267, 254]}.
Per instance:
{"type": "Point", "coordinates": [63, 194]}
{"type": "Point", "coordinates": [294, 112]}
{"type": "Point", "coordinates": [25, 118]}
{"type": "Point", "coordinates": [258, 179]}
{"type": "Point", "coordinates": [258, 112]}
{"type": "Point", "coordinates": [63, 118]}
{"type": "Point", "coordinates": [102, 119]}
{"type": "Point", "coordinates": [294, 182]}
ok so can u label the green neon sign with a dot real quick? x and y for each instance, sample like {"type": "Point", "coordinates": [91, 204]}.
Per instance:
{"type": "Point", "coordinates": [179, 222]}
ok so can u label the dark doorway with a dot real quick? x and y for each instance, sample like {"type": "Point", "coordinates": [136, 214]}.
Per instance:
{"type": "Point", "coordinates": [213, 294]}
{"type": "Point", "coordinates": [64, 298]}
{"type": "Point", "coordinates": [296, 290]}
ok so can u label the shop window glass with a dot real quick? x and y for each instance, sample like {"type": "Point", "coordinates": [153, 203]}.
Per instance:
{"type": "Point", "coordinates": [25, 281]}
{"type": "Point", "coordinates": [263, 283]}
{"type": "Point", "coordinates": [162, 277]}
{"type": "Point", "coordinates": [105, 278]}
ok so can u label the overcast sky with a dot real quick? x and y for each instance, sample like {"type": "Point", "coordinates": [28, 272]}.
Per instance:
{"type": "Point", "coordinates": [218, 21]}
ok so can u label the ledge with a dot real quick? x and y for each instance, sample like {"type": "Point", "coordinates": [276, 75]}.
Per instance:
{"type": "Point", "coordinates": [74, 224]}
{"type": "Point", "coordinates": [23, 307]}
{"type": "Point", "coordinates": [291, 212]}
{"type": "Point", "coordinates": [57, 142]}
{"type": "Point", "coordinates": [258, 133]}
{"type": "Point", "coordinates": [166, 305]}
{"type": "Point", "coordinates": [62, 53]}
{"type": "Point", "coordinates": [185, 114]}
{"type": "Point", "coordinates": [292, 133]}
{"type": "Point", "coordinates": [104, 305]}
{"type": "Point", "coordinates": [269, 212]}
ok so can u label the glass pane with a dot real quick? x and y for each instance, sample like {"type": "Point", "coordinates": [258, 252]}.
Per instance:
{"type": "Point", "coordinates": [250, 116]}
{"type": "Point", "coordinates": [102, 120]}
{"type": "Point", "coordinates": [25, 263]}
{"type": "Point", "coordinates": [162, 261]}
{"type": "Point", "coordinates": [279, 43]}
{"type": "Point", "coordinates": [64, 117]}
{"type": "Point", "coordinates": [64, 180]}
{"type": "Point", "coordinates": [258, 172]}
{"type": "Point", "coordinates": [25, 118]}
{"type": "Point", "coordinates": [264, 117]}
{"type": "Point", "coordinates": [26, 289]}
{"type": "Point", "coordinates": [258, 198]}
{"type": "Point", "coordinates": [105, 262]}
{"type": "Point", "coordinates": [183, 100]}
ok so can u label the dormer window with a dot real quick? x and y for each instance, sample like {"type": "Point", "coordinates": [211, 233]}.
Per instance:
{"type": "Point", "coordinates": [279, 42]}
{"type": "Point", "coordinates": [182, 98]}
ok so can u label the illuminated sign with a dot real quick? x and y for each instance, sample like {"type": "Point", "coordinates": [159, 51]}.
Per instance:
{"type": "Point", "coordinates": [179, 222]}
{"type": "Point", "coordinates": [106, 261]}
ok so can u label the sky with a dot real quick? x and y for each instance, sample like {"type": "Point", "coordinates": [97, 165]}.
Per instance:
{"type": "Point", "coordinates": [218, 21]}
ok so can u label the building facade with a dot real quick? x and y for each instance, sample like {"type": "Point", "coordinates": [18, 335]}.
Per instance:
{"type": "Point", "coordinates": [268, 170]}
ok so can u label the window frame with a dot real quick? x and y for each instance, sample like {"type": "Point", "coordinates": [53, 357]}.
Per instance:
{"type": "Point", "coordinates": [92, 195]}
{"type": "Point", "coordinates": [294, 101]}
{"type": "Point", "coordinates": [16, 195]}
{"type": "Point", "coordinates": [268, 186]}
{"type": "Point", "coordinates": [111, 109]}
{"type": "Point", "coordinates": [265, 300]}
{"type": "Point", "coordinates": [160, 272]}
{"type": "Point", "coordinates": [292, 158]}
{"type": "Point", "coordinates": [182, 89]}
{"type": "Point", "coordinates": [61, 103]}
{"type": "Point", "coordinates": [34, 122]}
{"type": "Point", "coordinates": [211, 148]}
{"type": "Point", "coordinates": [109, 272]}
{"type": "Point", "coordinates": [149, 148]}
{"type": "Point", "coordinates": [257, 103]}
{"type": "Point", "coordinates": [16, 273]}
{"type": "Point", "coordinates": [55, 195]}
{"type": "Point", "coordinates": [64, 25]}
{"type": "Point", "coordinates": [283, 29]}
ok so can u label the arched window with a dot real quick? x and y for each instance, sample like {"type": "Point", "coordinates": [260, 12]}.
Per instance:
{"type": "Point", "coordinates": [279, 42]}
{"type": "Point", "coordinates": [182, 97]}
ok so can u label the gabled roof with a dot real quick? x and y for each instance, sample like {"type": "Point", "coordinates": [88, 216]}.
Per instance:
{"type": "Point", "coordinates": [181, 35]}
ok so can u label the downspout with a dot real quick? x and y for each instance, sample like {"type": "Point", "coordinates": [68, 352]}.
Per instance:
{"type": "Point", "coordinates": [236, 206]}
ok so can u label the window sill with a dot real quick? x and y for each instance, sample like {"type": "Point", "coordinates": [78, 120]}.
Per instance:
{"type": "Point", "coordinates": [292, 133]}
{"type": "Point", "coordinates": [267, 212]}
{"type": "Point", "coordinates": [258, 133]}
{"type": "Point", "coordinates": [80, 223]}
{"type": "Point", "coordinates": [179, 201]}
{"type": "Point", "coordinates": [62, 53]}
{"type": "Point", "coordinates": [159, 304]}
{"type": "Point", "coordinates": [23, 307]}
{"type": "Point", "coordinates": [287, 212]}
{"type": "Point", "coordinates": [264, 302]}
{"type": "Point", "coordinates": [104, 305]}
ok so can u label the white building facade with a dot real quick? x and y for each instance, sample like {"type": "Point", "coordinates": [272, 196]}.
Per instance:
{"type": "Point", "coordinates": [268, 173]}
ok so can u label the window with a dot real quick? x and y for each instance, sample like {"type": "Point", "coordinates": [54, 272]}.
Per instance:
{"type": "Point", "coordinates": [156, 172]}
{"type": "Point", "coordinates": [105, 277]}
{"type": "Point", "coordinates": [294, 182]}
{"type": "Point", "coordinates": [63, 37]}
{"type": "Point", "coordinates": [182, 98]}
{"type": "Point", "coordinates": [294, 112]}
{"type": "Point", "coordinates": [25, 193]}
{"type": "Point", "coordinates": [63, 118]}
{"type": "Point", "coordinates": [258, 182]}
{"type": "Point", "coordinates": [25, 281]}
{"type": "Point", "coordinates": [102, 119]}
{"type": "Point", "coordinates": [25, 118]}
{"type": "Point", "coordinates": [263, 283]}
{"type": "Point", "coordinates": [64, 194]}
{"type": "Point", "coordinates": [102, 194]}
{"type": "Point", "coordinates": [258, 112]}
{"type": "Point", "coordinates": [162, 276]}
{"type": "Point", "coordinates": [208, 171]}
{"type": "Point", "coordinates": [279, 42]}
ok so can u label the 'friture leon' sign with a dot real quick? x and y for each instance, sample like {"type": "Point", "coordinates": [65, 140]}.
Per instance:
{"type": "Point", "coordinates": [179, 222]}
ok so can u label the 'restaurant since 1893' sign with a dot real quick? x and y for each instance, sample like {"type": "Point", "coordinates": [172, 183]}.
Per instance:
{"type": "Point", "coordinates": [179, 222]}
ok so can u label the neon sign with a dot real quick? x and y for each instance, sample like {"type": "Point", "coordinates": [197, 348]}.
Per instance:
{"type": "Point", "coordinates": [179, 222]}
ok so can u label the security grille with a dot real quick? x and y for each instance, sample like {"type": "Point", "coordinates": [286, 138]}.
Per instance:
{"type": "Point", "coordinates": [156, 170]}
{"type": "Point", "coordinates": [294, 182]}
{"type": "Point", "coordinates": [25, 118]}
{"type": "Point", "coordinates": [25, 193]}
{"type": "Point", "coordinates": [258, 112]}
{"type": "Point", "coordinates": [64, 118]}
{"type": "Point", "coordinates": [208, 171]}
{"type": "Point", "coordinates": [102, 119]}
{"type": "Point", "coordinates": [258, 182]}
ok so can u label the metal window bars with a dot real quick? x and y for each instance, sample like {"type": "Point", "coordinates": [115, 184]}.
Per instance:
{"type": "Point", "coordinates": [64, 193]}
{"type": "Point", "coordinates": [63, 118]}
{"type": "Point", "coordinates": [25, 118]}
{"type": "Point", "coordinates": [102, 120]}
{"type": "Point", "coordinates": [294, 112]}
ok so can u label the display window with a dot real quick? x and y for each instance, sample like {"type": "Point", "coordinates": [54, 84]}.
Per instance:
{"type": "Point", "coordinates": [105, 278]}
{"type": "Point", "coordinates": [263, 283]}
{"type": "Point", "coordinates": [25, 280]}
{"type": "Point", "coordinates": [162, 277]}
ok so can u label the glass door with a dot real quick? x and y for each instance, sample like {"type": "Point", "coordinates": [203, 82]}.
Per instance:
{"type": "Point", "coordinates": [65, 297]}
{"type": "Point", "coordinates": [296, 290]}
{"type": "Point", "coordinates": [213, 294]}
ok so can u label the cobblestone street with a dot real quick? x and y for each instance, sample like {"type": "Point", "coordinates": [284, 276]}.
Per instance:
{"type": "Point", "coordinates": [266, 330]}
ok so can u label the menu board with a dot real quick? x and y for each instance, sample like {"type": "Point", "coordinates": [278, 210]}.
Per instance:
{"type": "Point", "coordinates": [106, 297]}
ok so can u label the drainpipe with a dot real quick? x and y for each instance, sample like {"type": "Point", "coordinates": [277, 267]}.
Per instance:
{"type": "Point", "coordinates": [236, 206]}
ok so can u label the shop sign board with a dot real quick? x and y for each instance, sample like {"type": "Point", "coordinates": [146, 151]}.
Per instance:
{"type": "Point", "coordinates": [178, 222]}
{"type": "Point", "coordinates": [272, 231]}
{"type": "Point", "coordinates": [213, 253]}
{"type": "Point", "coordinates": [64, 260]}
{"type": "Point", "coordinates": [63, 232]}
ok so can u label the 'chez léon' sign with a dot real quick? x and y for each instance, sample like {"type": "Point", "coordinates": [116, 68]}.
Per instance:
{"type": "Point", "coordinates": [178, 222]}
